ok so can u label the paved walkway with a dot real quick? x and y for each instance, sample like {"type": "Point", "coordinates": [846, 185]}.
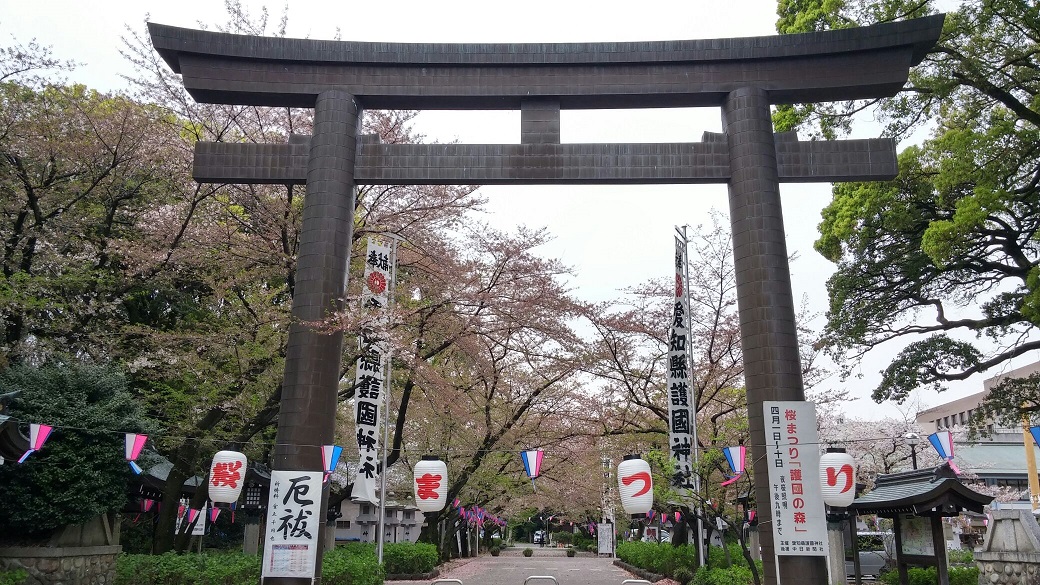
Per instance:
{"type": "Point", "coordinates": [512, 568]}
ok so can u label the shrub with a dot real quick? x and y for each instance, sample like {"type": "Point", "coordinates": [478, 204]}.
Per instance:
{"type": "Point", "coordinates": [563, 537]}
{"type": "Point", "coordinates": [14, 577]}
{"type": "Point", "coordinates": [495, 551]}
{"type": "Point", "coordinates": [683, 575]}
{"type": "Point", "coordinates": [174, 569]}
{"type": "Point", "coordinates": [735, 575]}
{"type": "Point", "coordinates": [528, 552]}
{"type": "Point", "coordinates": [928, 576]}
{"type": "Point", "coordinates": [962, 556]}
{"type": "Point", "coordinates": [570, 552]}
{"type": "Point", "coordinates": [354, 564]}
{"type": "Point", "coordinates": [407, 558]}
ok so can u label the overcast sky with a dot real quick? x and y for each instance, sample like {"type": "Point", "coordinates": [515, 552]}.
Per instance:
{"type": "Point", "coordinates": [614, 237]}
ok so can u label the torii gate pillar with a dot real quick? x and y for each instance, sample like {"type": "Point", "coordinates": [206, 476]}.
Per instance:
{"type": "Point", "coordinates": [768, 332]}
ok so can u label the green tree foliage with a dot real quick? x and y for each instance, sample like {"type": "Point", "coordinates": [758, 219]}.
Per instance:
{"type": "Point", "coordinates": [945, 257]}
{"type": "Point", "coordinates": [80, 472]}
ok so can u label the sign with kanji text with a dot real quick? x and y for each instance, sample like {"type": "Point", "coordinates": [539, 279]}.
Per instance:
{"type": "Point", "coordinates": [793, 455]}
{"type": "Point", "coordinates": [682, 409]}
{"type": "Point", "coordinates": [294, 524]}
{"type": "Point", "coordinates": [370, 372]}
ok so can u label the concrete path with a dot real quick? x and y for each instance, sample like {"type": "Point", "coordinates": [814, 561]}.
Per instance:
{"type": "Point", "coordinates": [512, 568]}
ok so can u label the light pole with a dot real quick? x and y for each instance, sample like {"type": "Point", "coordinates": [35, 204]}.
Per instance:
{"type": "Point", "coordinates": [912, 439]}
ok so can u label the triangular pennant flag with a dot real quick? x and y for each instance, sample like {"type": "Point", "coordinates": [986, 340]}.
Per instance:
{"type": "Point", "coordinates": [330, 457]}
{"type": "Point", "coordinates": [133, 443]}
{"type": "Point", "coordinates": [213, 513]}
{"type": "Point", "coordinates": [37, 437]}
{"type": "Point", "coordinates": [735, 457]}
{"type": "Point", "coordinates": [943, 443]}
{"type": "Point", "coordinates": [147, 504]}
{"type": "Point", "coordinates": [532, 464]}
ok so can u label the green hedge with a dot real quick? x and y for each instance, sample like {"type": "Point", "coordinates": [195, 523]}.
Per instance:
{"type": "Point", "coordinates": [13, 577]}
{"type": "Point", "coordinates": [929, 576]}
{"type": "Point", "coordinates": [658, 557]}
{"type": "Point", "coordinates": [406, 558]}
{"type": "Point", "coordinates": [665, 559]}
{"type": "Point", "coordinates": [354, 564]}
{"type": "Point", "coordinates": [174, 569]}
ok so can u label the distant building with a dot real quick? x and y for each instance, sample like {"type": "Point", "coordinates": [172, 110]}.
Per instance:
{"type": "Point", "coordinates": [997, 459]}
{"type": "Point", "coordinates": [359, 522]}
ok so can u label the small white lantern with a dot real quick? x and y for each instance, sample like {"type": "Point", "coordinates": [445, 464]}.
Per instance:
{"type": "Point", "coordinates": [227, 473]}
{"type": "Point", "coordinates": [837, 478]}
{"type": "Point", "coordinates": [430, 480]}
{"type": "Point", "coordinates": [636, 485]}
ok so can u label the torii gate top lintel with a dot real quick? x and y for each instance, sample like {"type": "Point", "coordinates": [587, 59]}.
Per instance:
{"type": "Point", "coordinates": [854, 63]}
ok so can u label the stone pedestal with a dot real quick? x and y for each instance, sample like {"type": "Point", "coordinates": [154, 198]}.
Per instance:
{"type": "Point", "coordinates": [71, 565]}
{"type": "Point", "coordinates": [1011, 552]}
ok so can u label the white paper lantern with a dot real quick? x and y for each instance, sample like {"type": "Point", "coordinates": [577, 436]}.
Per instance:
{"type": "Point", "coordinates": [636, 485]}
{"type": "Point", "coordinates": [838, 479]}
{"type": "Point", "coordinates": [227, 473]}
{"type": "Point", "coordinates": [430, 481]}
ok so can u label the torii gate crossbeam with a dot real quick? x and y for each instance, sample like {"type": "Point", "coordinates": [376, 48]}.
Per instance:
{"type": "Point", "coordinates": [742, 76]}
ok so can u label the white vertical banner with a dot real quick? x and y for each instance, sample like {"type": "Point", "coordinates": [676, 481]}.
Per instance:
{"type": "Point", "coordinates": [370, 373]}
{"type": "Point", "coordinates": [294, 524]}
{"type": "Point", "coordinates": [793, 453]}
{"type": "Point", "coordinates": [680, 424]}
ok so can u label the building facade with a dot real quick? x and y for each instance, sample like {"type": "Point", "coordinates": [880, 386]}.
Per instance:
{"type": "Point", "coordinates": [359, 522]}
{"type": "Point", "coordinates": [997, 459]}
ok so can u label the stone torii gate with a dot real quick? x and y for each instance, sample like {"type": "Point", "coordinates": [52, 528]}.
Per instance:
{"type": "Point", "coordinates": [743, 76]}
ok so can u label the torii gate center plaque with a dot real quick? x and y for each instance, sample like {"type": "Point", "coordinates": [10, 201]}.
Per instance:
{"type": "Point", "coordinates": [742, 76]}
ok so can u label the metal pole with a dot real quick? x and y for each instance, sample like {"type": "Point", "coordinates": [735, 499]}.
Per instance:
{"type": "Point", "coordinates": [693, 402]}
{"type": "Point", "coordinates": [380, 522]}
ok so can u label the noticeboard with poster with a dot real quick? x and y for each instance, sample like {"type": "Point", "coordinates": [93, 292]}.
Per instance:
{"type": "Point", "coordinates": [916, 535]}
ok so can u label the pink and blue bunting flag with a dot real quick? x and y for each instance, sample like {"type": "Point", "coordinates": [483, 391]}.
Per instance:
{"type": "Point", "coordinates": [134, 443]}
{"type": "Point", "coordinates": [330, 458]}
{"type": "Point", "coordinates": [37, 437]}
{"type": "Point", "coordinates": [678, 516]}
{"type": "Point", "coordinates": [213, 513]}
{"type": "Point", "coordinates": [735, 457]}
{"type": "Point", "coordinates": [943, 443]}
{"type": "Point", "coordinates": [532, 464]}
{"type": "Point", "coordinates": [146, 504]}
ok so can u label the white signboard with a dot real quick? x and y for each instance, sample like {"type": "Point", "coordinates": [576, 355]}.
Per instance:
{"type": "Point", "coordinates": [793, 452]}
{"type": "Point", "coordinates": [185, 514]}
{"type": "Point", "coordinates": [370, 372]}
{"type": "Point", "coordinates": [681, 411]}
{"type": "Point", "coordinates": [605, 531]}
{"type": "Point", "coordinates": [294, 524]}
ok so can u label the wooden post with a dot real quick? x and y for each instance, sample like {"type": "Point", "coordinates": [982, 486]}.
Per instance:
{"type": "Point", "coordinates": [939, 545]}
{"type": "Point", "coordinates": [897, 528]}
